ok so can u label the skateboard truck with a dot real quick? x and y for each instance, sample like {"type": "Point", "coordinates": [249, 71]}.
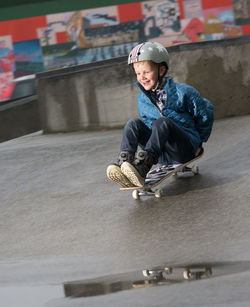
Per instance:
{"type": "Point", "coordinates": [157, 274]}
{"type": "Point", "coordinates": [197, 274]}
{"type": "Point", "coordinates": [188, 273]}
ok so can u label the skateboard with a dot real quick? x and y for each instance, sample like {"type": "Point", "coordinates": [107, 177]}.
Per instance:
{"type": "Point", "coordinates": [149, 188]}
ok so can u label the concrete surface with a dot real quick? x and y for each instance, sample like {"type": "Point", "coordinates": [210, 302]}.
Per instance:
{"type": "Point", "coordinates": [103, 94]}
{"type": "Point", "coordinates": [62, 221]}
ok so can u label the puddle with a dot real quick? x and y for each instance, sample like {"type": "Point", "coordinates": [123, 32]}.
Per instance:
{"type": "Point", "coordinates": [164, 275]}
{"type": "Point", "coordinates": [158, 276]}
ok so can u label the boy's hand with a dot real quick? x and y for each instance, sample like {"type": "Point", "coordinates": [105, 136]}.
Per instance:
{"type": "Point", "coordinates": [198, 152]}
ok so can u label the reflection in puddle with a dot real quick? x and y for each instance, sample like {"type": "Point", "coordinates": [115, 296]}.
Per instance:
{"type": "Point", "coordinates": [152, 277]}
{"type": "Point", "coordinates": [158, 276]}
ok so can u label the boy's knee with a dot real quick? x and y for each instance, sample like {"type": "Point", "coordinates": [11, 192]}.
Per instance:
{"type": "Point", "coordinates": [133, 122]}
{"type": "Point", "coordinates": [162, 121]}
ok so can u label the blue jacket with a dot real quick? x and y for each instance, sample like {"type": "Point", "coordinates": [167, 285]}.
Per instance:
{"type": "Point", "coordinates": [185, 106]}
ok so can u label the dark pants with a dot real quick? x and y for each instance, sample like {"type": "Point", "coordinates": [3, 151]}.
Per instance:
{"type": "Point", "coordinates": [166, 142]}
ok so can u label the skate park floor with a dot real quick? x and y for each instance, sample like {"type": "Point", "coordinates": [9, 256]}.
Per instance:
{"type": "Point", "coordinates": [64, 224]}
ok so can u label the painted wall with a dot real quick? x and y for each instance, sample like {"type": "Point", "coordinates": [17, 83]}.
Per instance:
{"type": "Point", "coordinates": [52, 41]}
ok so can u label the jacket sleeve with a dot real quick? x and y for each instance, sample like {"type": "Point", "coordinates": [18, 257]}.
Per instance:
{"type": "Point", "coordinates": [202, 111]}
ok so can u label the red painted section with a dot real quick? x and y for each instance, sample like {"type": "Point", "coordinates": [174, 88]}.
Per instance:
{"type": "Point", "coordinates": [130, 12]}
{"type": "Point", "coordinates": [209, 4]}
{"type": "Point", "coordinates": [22, 29]}
{"type": "Point", "coordinates": [61, 37]}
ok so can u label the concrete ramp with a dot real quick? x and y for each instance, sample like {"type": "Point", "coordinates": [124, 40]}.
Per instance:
{"type": "Point", "coordinates": [63, 221]}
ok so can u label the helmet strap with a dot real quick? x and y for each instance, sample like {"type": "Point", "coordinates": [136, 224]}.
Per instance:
{"type": "Point", "coordinates": [159, 82]}
{"type": "Point", "coordinates": [156, 86]}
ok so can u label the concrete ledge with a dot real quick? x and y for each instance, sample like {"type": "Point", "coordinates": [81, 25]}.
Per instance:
{"type": "Point", "coordinates": [102, 94]}
{"type": "Point", "coordinates": [19, 118]}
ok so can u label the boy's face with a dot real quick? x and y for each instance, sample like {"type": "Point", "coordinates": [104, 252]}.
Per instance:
{"type": "Point", "coordinates": [147, 74]}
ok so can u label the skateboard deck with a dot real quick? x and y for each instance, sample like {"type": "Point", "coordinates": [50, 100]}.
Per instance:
{"type": "Point", "coordinates": [146, 190]}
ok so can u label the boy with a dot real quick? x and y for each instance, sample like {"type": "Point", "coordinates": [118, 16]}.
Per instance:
{"type": "Point", "coordinates": [174, 119]}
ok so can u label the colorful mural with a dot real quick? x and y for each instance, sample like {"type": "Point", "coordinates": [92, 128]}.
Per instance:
{"type": "Point", "coordinates": [241, 11]}
{"type": "Point", "coordinates": [7, 62]}
{"type": "Point", "coordinates": [28, 58]}
{"type": "Point", "coordinates": [6, 86]}
{"type": "Point", "coordinates": [32, 45]}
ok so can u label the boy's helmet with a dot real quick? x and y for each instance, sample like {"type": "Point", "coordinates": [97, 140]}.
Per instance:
{"type": "Point", "coordinates": [149, 51]}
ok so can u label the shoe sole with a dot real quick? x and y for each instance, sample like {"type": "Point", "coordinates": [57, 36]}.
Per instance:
{"type": "Point", "coordinates": [115, 174]}
{"type": "Point", "coordinates": [132, 174]}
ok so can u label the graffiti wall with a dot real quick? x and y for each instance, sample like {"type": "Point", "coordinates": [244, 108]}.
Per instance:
{"type": "Point", "coordinates": [36, 44]}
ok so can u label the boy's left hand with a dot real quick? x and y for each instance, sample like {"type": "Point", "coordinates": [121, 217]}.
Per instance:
{"type": "Point", "coordinates": [198, 152]}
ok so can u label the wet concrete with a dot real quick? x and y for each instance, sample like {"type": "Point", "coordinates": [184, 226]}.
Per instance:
{"type": "Point", "coordinates": [62, 221]}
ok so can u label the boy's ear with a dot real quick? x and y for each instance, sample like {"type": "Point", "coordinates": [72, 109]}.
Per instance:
{"type": "Point", "coordinates": [163, 70]}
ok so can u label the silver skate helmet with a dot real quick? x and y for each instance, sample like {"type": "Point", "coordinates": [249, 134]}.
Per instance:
{"type": "Point", "coordinates": [149, 51]}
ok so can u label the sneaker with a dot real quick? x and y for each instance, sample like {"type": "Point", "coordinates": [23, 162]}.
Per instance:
{"type": "Point", "coordinates": [137, 171]}
{"type": "Point", "coordinates": [114, 172]}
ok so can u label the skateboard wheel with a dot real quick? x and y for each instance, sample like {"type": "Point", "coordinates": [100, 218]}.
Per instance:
{"type": "Point", "coordinates": [158, 193]}
{"type": "Point", "coordinates": [146, 273]}
{"type": "Point", "coordinates": [195, 169]}
{"type": "Point", "coordinates": [186, 274]}
{"type": "Point", "coordinates": [135, 194]}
